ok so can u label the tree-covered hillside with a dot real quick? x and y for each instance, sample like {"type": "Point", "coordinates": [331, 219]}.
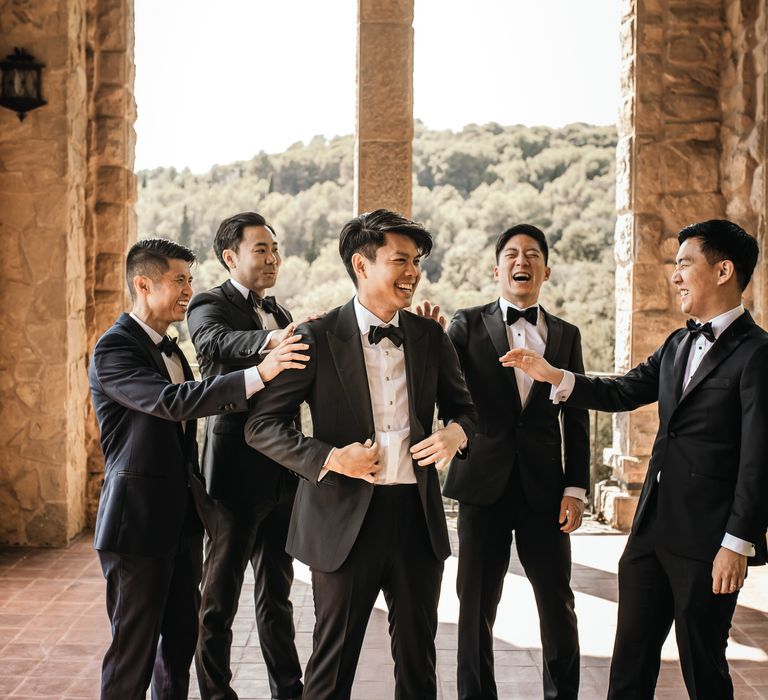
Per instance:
{"type": "Point", "coordinates": [468, 187]}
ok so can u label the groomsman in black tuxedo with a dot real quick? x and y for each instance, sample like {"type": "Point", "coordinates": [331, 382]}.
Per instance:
{"type": "Point", "coordinates": [515, 479]}
{"type": "Point", "coordinates": [233, 326]}
{"type": "Point", "coordinates": [702, 512]}
{"type": "Point", "coordinates": [368, 514]}
{"type": "Point", "coordinates": [148, 534]}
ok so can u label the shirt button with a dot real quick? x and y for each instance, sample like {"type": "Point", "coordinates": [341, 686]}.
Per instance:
{"type": "Point", "coordinates": [389, 427]}
{"type": "Point", "coordinates": [391, 402]}
{"type": "Point", "coordinates": [386, 352]}
{"type": "Point", "coordinates": [386, 379]}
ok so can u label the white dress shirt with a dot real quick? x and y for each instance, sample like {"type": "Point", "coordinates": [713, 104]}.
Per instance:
{"type": "Point", "coordinates": [268, 321]}
{"type": "Point", "coordinates": [522, 334]}
{"type": "Point", "coordinates": [253, 381]}
{"type": "Point", "coordinates": [385, 369]}
{"type": "Point", "coordinates": [699, 348]}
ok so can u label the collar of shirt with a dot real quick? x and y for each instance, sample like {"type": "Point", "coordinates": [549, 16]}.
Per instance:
{"type": "Point", "coordinates": [154, 336]}
{"type": "Point", "coordinates": [720, 323]}
{"type": "Point", "coordinates": [504, 305]}
{"type": "Point", "coordinates": [366, 319]}
{"type": "Point", "coordinates": [240, 288]}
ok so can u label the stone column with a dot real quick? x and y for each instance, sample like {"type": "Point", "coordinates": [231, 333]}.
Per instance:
{"type": "Point", "coordinates": [668, 163]}
{"type": "Point", "coordinates": [111, 188]}
{"type": "Point", "coordinates": [384, 133]}
{"type": "Point", "coordinates": [66, 218]}
{"type": "Point", "coordinates": [744, 102]}
{"type": "Point", "coordinates": [43, 386]}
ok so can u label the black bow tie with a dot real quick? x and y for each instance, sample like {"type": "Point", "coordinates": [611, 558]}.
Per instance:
{"type": "Point", "coordinates": [704, 328]}
{"type": "Point", "coordinates": [531, 314]}
{"type": "Point", "coordinates": [267, 304]}
{"type": "Point", "coordinates": [377, 333]}
{"type": "Point", "coordinates": [168, 346]}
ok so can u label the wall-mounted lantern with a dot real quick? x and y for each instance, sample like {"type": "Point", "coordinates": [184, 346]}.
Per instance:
{"type": "Point", "coordinates": [21, 83]}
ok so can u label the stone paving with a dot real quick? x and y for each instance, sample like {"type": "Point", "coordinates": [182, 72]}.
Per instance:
{"type": "Point", "coordinates": [54, 629]}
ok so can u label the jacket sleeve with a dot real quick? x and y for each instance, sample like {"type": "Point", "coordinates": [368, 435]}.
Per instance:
{"type": "Point", "coordinates": [453, 399]}
{"type": "Point", "coordinates": [749, 513]}
{"type": "Point", "coordinates": [124, 373]}
{"type": "Point", "coordinates": [211, 331]}
{"type": "Point", "coordinates": [576, 428]}
{"type": "Point", "coordinates": [269, 427]}
{"type": "Point", "coordinates": [638, 387]}
{"type": "Point", "coordinates": [457, 333]}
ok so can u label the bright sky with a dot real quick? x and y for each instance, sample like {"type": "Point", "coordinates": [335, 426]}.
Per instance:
{"type": "Point", "coordinates": [219, 82]}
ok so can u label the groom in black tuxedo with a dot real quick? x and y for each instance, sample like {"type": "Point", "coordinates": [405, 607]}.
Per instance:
{"type": "Point", "coordinates": [233, 326]}
{"type": "Point", "coordinates": [515, 479]}
{"type": "Point", "coordinates": [368, 514]}
{"type": "Point", "coordinates": [702, 512]}
{"type": "Point", "coordinates": [148, 534]}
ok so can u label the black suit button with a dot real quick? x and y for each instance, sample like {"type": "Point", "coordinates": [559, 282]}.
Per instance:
{"type": "Point", "coordinates": [672, 434]}
{"type": "Point", "coordinates": [520, 424]}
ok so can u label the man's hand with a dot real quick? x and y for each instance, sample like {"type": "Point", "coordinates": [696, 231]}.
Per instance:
{"type": "Point", "coordinates": [359, 461]}
{"type": "Point", "coordinates": [433, 312]}
{"type": "Point", "coordinates": [285, 356]}
{"type": "Point", "coordinates": [533, 364]}
{"type": "Point", "coordinates": [440, 447]}
{"type": "Point", "coordinates": [571, 511]}
{"type": "Point", "coordinates": [279, 336]}
{"type": "Point", "coordinates": [728, 571]}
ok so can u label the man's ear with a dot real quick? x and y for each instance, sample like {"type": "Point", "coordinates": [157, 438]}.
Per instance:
{"type": "Point", "coordinates": [359, 265]}
{"type": "Point", "coordinates": [495, 273]}
{"type": "Point", "coordinates": [725, 272]}
{"type": "Point", "coordinates": [142, 285]}
{"type": "Point", "coordinates": [547, 273]}
{"type": "Point", "coordinates": [229, 258]}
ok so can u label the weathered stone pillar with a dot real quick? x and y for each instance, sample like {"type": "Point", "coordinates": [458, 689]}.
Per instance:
{"type": "Point", "coordinates": [55, 290]}
{"type": "Point", "coordinates": [384, 133]}
{"type": "Point", "coordinates": [668, 164]}
{"type": "Point", "coordinates": [744, 135]}
{"type": "Point", "coordinates": [111, 193]}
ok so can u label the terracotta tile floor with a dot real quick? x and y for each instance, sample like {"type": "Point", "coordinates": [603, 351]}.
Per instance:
{"type": "Point", "coordinates": [53, 629]}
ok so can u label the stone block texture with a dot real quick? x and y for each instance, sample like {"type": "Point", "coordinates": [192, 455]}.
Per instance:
{"type": "Point", "coordinates": [50, 184]}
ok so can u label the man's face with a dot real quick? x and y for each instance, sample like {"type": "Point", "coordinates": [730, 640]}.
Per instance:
{"type": "Point", "coordinates": [697, 280]}
{"type": "Point", "coordinates": [521, 270]}
{"type": "Point", "coordinates": [392, 277]}
{"type": "Point", "coordinates": [167, 297]}
{"type": "Point", "coordinates": [257, 260]}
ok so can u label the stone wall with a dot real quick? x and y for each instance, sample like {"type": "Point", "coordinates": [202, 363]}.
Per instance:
{"type": "Point", "coordinates": [52, 186]}
{"type": "Point", "coordinates": [744, 104]}
{"type": "Point", "coordinates": [384, 133]}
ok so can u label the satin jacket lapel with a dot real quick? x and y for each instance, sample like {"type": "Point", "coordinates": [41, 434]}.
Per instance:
{"type": "Point", "coordinates": [730, 339]}
{"type": "Point", "coordinates": [239, 301]}
{"type": "Point", "coordinates": [416, 350]}
{"type": "Point", "coordinates": [347, 354]}
{"type": "Point", "coordinates": [554, 339]}
{"type": "Point", "coordinates": [494, 325]}
{"type": "Point", "coordinates": [681, 362]}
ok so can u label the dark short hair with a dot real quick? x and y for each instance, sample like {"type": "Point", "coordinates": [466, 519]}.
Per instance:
{"type": "Point", "coordinates": [150, 256]}
{"type": "Point", "coordinates": [365, 235]}
{"type": "Point", "coordinates": [527, 230]}
{"type": "Point", "coordinates": [230, 232]}
{"type": "Point", "coordinates": [723, 240]}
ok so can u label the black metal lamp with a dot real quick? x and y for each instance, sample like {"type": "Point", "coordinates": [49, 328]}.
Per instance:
{"type": "Point", "coordinates": [21, 83]}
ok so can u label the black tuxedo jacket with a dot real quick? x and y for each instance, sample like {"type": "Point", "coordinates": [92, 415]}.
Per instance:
{"type": "Point", "coordinates": [712, 444]}
{"type": "Point", "coordinates": [149, 458]}
{"type": "Point", "coordinates": [508, 432]}
{"type": "Point", "coordinates": [327, 515]}
{"type": "Point", "coordinates": [227, 334]}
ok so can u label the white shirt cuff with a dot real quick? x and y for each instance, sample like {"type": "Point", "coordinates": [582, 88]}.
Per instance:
{"type": "Point", "coordinates": [562, 391]}
{"type": "Point", "coordinates": [576, 492]}
{"type": "Point", "coordinates": [736, 544]}
{"type": "Point", "coordinates": [253, 381]}
{"type": "Point", "coordinates": [263, 350]}
{"type": "Point", "coordinates": [324, 471]}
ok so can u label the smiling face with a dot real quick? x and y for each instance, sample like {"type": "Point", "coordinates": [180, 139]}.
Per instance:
{"type": "Point", "coordinates": [256, 261]}
{"type": "Point", "coordinates": [521, 270]}
{"type": "Point", "coordinates": [162, 301]}
{"type": "Point", "coordinates": [387, 283]}
{"type": "Point", "coordinates": [706, 289]}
